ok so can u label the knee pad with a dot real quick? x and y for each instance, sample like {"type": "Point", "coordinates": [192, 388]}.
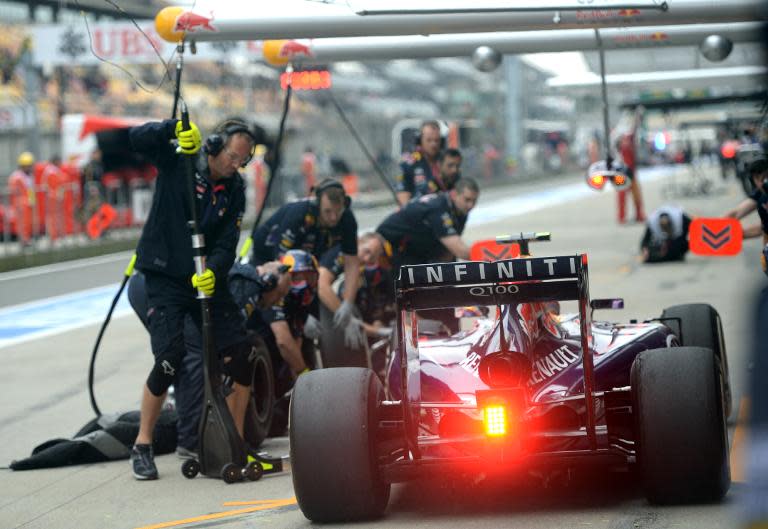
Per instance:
{"type": "Point", "coordinates": [240, 365]}
{"type": "Point", "coordinates": [163, 373]}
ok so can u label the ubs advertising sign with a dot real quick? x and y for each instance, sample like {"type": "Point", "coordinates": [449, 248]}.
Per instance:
{"type": "Point", "coordinates": [121, 43]}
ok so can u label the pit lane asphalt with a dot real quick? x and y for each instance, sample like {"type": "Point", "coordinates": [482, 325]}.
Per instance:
{"type": "Point", "coordinates": [45, 396]}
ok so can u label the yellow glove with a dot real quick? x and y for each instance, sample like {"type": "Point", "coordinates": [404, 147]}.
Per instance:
{"type": "Point", "coordinates": [190, 140]}
{"type": "Point", "coordinates": [205, 282]}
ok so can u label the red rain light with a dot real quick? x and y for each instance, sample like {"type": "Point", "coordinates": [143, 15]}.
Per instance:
{"type": "Point", "coordinates": [495, 420]}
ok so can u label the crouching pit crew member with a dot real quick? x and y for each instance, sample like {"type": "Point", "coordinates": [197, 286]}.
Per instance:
{"type": "Point", "coordinates": [281, 326]}
{"type": "Point", "coordinates": [315, 225]}
{"type": "Point", "coordinates": [165, 259]}
{"type": "Point", "coordinates": [429, 229]}
{"type": "Point", "coordinates": [666, 235]}
{"type": "Point", "coordinates": [374, 294]}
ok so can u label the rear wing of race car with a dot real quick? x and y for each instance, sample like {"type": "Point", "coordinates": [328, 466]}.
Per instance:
{"type": "Point", "coordinates": [532, 279]}
{"type": "Point", "coordinates": [443, 285]}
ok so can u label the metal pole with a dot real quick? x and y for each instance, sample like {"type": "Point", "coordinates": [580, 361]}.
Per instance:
{"type": "Point", "coordinates": [241, 21]}
{"type": "Point", "coordinates": [604, 93]}
{"type": "Point", "coordinates": [365, 150]}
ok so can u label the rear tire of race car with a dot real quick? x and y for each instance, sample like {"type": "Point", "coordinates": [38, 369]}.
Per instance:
{"type": "Point", "coordinates": [681, 436]}
{"type": "Point", "coordinates": [258, 415]}
{"type": "Point", "coordinates": [701, 327]}
{"type": "Point", "coordinates": [333, 423]}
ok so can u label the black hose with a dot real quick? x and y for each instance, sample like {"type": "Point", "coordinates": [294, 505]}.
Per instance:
{"type": "Point", "coordinates": [360, 142]}
{"type": "Point", "coordinates": [126, 277]}
{"type": "Point", "coordinates": [274, 164]}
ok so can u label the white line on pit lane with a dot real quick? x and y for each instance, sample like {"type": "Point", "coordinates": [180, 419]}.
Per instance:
{"type": "Point", "coordinates": [66, 265]}
{"type": "Point", "coordinates": [38, 319]}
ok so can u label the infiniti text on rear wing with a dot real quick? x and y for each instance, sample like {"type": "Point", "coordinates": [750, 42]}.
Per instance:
{"type": "Point", "coordinates": [490, 283]}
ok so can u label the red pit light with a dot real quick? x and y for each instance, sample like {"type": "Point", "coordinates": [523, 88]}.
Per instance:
{"type": "Point", "coordinates": [306, 80]}
{"type": "Point", "coordinates": [495, 420]}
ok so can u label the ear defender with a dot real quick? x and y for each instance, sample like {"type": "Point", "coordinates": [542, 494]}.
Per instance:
{"type": "Point", "coordinates": [330, 183]}
{"type": "Point", "coordinates": [215, 143]}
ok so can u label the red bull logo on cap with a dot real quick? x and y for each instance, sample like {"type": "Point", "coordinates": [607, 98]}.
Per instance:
{"type": "Point", "coordinates": [191, 22]}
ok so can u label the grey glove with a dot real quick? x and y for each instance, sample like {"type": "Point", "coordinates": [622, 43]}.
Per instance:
{"type": "Point", "coordinates": [354, 335]}
{"type": "Point", "coordinates": [383, 331]}
{"type": "Point", "coordinates": [312, 328]}
{"type": "Point", "coordinates": [343, 314]}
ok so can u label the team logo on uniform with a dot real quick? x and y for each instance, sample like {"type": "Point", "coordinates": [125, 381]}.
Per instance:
{"type": "Point", "coordinates": [168, 368]}
{"type": "Point", "coordinates": [447, 220]}
{"type": "Point", "coordinates": [309, 219]}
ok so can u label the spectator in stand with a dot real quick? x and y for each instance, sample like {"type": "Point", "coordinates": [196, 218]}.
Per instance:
{"type": "Point", "coordinates": [21, 188]}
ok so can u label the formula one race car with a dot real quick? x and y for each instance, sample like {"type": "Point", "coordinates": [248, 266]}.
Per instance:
{"type": "Point", "coordinates": [513, 391]}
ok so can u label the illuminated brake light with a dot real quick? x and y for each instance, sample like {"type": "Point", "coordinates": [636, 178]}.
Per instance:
{"type": "Point", "coordinates": [495, 420]}
{"type": "Point", "coordinates": [597, 181]}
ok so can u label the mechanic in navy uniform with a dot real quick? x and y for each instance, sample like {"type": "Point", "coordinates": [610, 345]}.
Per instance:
{"type": "Point", "coordinates": [758, 200]}
{"type": "Point", "coordinates": [281, 326]}
{"type": "Point", "coordinates": [165, 259]}
{"type": "Point", "coordinates": [316, 224]}
{"type": "Point", "coordinates": [252, 289]}
{"type": "Point", "coordinates": [420, 170]}
{"type": "Point", "coordinates": [429, 229]}
{"type": "Point", "coordinates": [374, 294]}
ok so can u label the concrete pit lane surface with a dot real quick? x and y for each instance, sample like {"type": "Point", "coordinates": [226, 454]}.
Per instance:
{"type": "Point", "coordinates": [45, 344]}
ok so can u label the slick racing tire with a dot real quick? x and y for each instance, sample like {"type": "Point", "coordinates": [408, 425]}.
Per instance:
{"type": "Point", "coordinates": [260, 411]}
{"type": "Point", "coordinates": [333, 426]}
{"type": "Point", "coordinates": [701, 327]}
{"type": "Point", "coordinates": [681, 434]}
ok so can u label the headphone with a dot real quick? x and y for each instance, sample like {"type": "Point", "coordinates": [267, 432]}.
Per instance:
{"type": "Point", "coordinates": [215, 143]}
{"type": "Point", "coordinates": [330, 183]}
{"type": "Point", "coordinates": [269, 280]}
{"type": "Point", "coordinates": [432, 124]}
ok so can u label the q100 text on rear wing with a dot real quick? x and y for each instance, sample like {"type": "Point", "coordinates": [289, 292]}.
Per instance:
{"type": "Point", "coordinates": [441, 285]}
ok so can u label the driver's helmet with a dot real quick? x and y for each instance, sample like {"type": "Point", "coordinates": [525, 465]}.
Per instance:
{"type": "Point", "coordinates": [302, 267]}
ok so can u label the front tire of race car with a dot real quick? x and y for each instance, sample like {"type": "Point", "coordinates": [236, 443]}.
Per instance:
{"type": "Point", "coordinates": [681, 437]}
{"type": "Point", "coordinates": [258, 415]}
{"type": "Point", "coordinates": [334, 419]}
{"type": "Point", "coordinates": [701, 327]}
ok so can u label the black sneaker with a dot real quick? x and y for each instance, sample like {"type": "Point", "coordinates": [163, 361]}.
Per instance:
{"type": "Point", "coordinates": [143, 462]}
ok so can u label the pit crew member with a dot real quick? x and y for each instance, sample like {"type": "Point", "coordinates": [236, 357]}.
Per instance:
{"type": "Point", "coordinates": [420, 170]}
{"type": "Point", "coordinates": [374, 294]}
{"type": "Point", "coordinates": [315, 225]}
{"type": "Point", "coordinates": [429, 229]}
{"type": "Point", "coordinates": [165, 258]}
